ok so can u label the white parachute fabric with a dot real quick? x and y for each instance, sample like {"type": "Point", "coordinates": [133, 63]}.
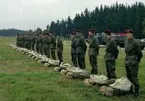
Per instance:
{"type": "Point", "coordinates": [123, 84]}
{"type": "Point", "coordinates": [75, 72]}
{"type": "Point", "coordinates": [99, 79]}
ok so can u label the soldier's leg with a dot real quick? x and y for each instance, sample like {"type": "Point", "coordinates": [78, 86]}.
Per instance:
{"type": "Point", "coordinates": [78, 60]}
{"type": "Point", "coordinates": [37, 48]}
{"type": "Point", "coordinates": [74, 59]}
{"type": "Point", "coordinates": [41, 49]}
{"type": "Point", "coordinates": [48, 53]}
{"type": "Point", "coordinates": [45, 50]}
{"type": "Point", "coordinates": [59, 55]}
{"type": "Point", "coordinates": [107, 69]}
{"type": "Point", "coordinates": [128, 74]}
{"type": "Point", "coordinates": [81, 61]}
{"type": "Point", "coordinates": [53, 54]}
{"type": "Point", "coordinates": [93, 62]}
{"type": "Point", "coordinates": [111, 67]}
{"type": "Point", "coordinates": [134, 75]}
{"type": "Point", "coordinates": [33, 47]}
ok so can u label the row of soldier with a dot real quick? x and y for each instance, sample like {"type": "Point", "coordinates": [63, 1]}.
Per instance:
{"type": "Point", "coordinates": [42, 43]}
{"type": "Point", "coordinates": [46, 43]}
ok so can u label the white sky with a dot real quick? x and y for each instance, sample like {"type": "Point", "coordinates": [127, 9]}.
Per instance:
{"type": "Point", "coordinates": [29, 14]}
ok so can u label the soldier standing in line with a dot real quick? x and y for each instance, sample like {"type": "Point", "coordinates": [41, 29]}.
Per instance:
{"type": "Point", "coordinates": [81, 49]}
{"type": "Point", "coordinates": [17, 40]}
{"type": "Point", "coordinates": [132, 60]}
{"type": "Point", "coordinates": [93, 51]}
{"type": "Point", "coordinates": [41, 44]}
{"type": "Point", "coordinates": [47, 44]}
{"type": "Point", "coordinates": [53, 45]}
{"type": "Point", "coordinates": [73, 49]}
{"type": "Point", "coordinates": [59, 49]}
{"type": "Point", "coordinates": [33, 42]}
{"type": "Point", "coordinates": [110, 55]}
{"type": "Point", "coordinates": [37, 43]}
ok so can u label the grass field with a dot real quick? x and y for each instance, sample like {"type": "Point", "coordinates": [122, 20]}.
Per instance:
{"type": "Point", "coordinates": [23, 79]}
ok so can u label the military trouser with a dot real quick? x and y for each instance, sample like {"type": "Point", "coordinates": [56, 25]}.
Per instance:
{"type": "Point", "coordinates": [53, 55]}
{"type": "Point", "coordinates": [93, 62]}
{"type": "Point", "coordinates": [47, 51]}
{"type": "Point", "coordinates": [26, 46]}
{"type": "Point", "coordinates": [41, 49]}
{"type": "Point", "coordinates": [37, 48]}
{"type": "Point", "coordinates": [60, 58]}
{"type": "Point", "coordinates": [110, 67]}
{"type": "Point", "coordinates": [32, 47]}
{"type": "Point", "coordinates": [81, 60]}
{"type": "Point", "coordinates": [132, 75]}
{"type": "Point", "coordinates": [74, 59]}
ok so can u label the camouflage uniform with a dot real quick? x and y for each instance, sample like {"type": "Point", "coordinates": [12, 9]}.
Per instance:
{"type": "Point", "coordinates": [47, 43]}
{"type": "Point", "coordinates": [93, 52]}
{"type": "Point", "coordinates": [111, 49]}
{"type": "Point", "coordinates": [53, 46]}
{"type": "Point", "coordinates": [41, 49]}
{"type": "Point", "coordinates": [59, 49]}
{"type": "Point", "coordinates": [73, 51]}
{"type": "Point", "coordinates": [132, 59]}
{"type": "Point", "coordinates": [33, 42]}
{"type": "Point", "coordinates": [26, 41]}
{"type": "Point", "coordinates": [81, 50]}
{"type": "Point", "coordinates": [17, 40]}
{"type": "Point", "coordinates": [37, 43]}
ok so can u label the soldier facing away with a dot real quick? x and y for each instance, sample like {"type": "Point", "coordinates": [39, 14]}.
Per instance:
{"type": "Point", "coordinates": [132, 60]}
{"type": "Point", "coordinates": [73, 49]}
{"type": "Point", "coordinates": [81, 49]}
{"type": "Point", "coordinates": [110, 55]}
{"type": "Point", "coordinates": [93, 51]}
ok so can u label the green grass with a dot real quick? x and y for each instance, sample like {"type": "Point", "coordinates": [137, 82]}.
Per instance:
{"type": "Point", "coordinates": [23, 79]}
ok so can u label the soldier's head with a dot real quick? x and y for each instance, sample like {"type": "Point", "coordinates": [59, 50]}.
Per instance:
{"type": "Point", "coordinates": [108, 34]}
{"type": "Point", "coordinates": [78, 32]}
{"type": "Point", "coordinates": [129, 34]}
{"type": "Point", "coordinates": [73, 34]}
{"type": "Point", "coordinates": [91, 32]}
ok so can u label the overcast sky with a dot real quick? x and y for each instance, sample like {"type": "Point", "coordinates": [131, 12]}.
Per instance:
{"type": "Point", "coordinates": [29, 14]}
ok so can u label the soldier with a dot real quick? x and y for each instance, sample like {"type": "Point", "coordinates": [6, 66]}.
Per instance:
{"type": "Point", "coordinates": [33, 42]}
{"type": "Point", "coordinates": [73, 49]}
{"type": "Point", "coordinates": [47, 43]}
{"type": "Point", "coordinates": [37, 43]}
{"type": "Point", "coordinates": [59, 50]}
{"type": "Point", "coordinates": [132, 60]}
{"type": "Point", "coordinates": [110, 55]}
{"type": "Point", "coordinates": [41, 44]}
{"type": "Point", "coordinates": [17, 40]}
{"type": "Point", "coordinates": [93, 51]}
{"type": "Point", "coordinates": [53, 45]}
{"type": "Point", "coordinates": [81, 49]}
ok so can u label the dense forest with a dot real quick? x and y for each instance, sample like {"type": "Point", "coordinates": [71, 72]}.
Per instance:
{"type": "Point", "coordinates": [117, 17]}
{"type": "Point", "coordinates": [10, 32]}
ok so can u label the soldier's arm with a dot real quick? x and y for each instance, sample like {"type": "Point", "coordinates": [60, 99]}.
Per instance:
{"type": "Point", "coordinates": [96, 44]}
{"type": "Point", "coordinates": [83, 40]}
{"type": "Point", "coordinates": [138, 51]}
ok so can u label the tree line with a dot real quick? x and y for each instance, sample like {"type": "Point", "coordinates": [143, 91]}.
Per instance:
{"type": "Point", "coordinates": [117, 17]}
{"type": "Point", "coordinates": [10, 32]}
